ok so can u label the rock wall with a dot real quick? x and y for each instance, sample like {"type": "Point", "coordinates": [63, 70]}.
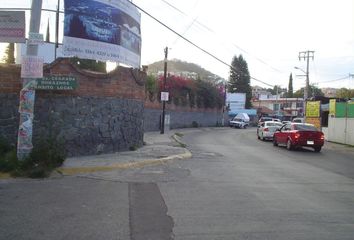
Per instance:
{"type": "Point", "coordinates": [104, 114]}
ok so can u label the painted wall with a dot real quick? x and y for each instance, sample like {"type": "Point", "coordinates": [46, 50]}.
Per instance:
{"type": "Point", "coordinates": [341, 130]}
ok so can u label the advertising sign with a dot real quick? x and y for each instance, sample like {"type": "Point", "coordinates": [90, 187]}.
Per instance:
{"type": "Point", "coordinates": [35, 38]}
{"type": "Point", "coordinates": [332, 107]}
{"type": "Point", "coordinates": [57, 83]}
{"type": "Point", "coordinates": [12, 26]}
{"type": "Point", "coordinates": [106, 30]}
{"type": "Point", "coordinates": [314, 121]}
{"type": "Point", "coordinates": [26, 101]}
{"type": "Point", "coordinates": [31, 67]}
{"type": "Point", "coordinates": [164, 96]}
{"type": "Point", "coordinates": [313, 109]}
{"type": "Point", "coordinates": [236, 101]}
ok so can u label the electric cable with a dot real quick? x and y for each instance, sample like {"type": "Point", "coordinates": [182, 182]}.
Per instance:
{"type": "Point", "coordinates": [233, 44]}
{"type": "Point", "coordinates": [193, 44]}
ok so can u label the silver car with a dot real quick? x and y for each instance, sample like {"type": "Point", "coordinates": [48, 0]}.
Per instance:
{"type": "Point", "coordinates": [267, 129]}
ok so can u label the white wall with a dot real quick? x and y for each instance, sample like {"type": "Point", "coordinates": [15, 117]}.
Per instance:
{"type": "Point", "coordinates": [341, 130]}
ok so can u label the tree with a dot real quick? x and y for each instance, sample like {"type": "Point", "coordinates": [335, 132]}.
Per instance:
{"type": "Point", "coordinates": [239, 79]}
{"type": "Point", "coordinates": [290, 87]}
{"type": "Point", "coordinates": [313, 91]}
{"type": "Point", "coordinates": [89, 64]}
{"type": "Point", "coordinates": [9, 54]}
{"type": "Point", "coordinates": [345, 93]}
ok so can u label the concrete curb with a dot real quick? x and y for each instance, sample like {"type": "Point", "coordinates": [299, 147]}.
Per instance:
{"type": "Point", "coordinates": [148, 162]}
{"type": "Point", "coordinates": [4, 175]}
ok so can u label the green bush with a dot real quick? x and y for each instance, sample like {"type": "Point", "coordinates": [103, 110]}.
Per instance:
{"type": "Point", "coordinates": [46, 155]}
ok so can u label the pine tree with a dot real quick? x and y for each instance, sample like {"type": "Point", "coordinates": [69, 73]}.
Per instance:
{"type": "Point", "coordinates": [10, 54]}
{"type": "Point", "coordinates": [239, 80]}
{"type": "Point", "coordinates": [290, 87]}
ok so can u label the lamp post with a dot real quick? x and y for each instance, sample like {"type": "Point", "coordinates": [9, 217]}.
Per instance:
{"type": "Point", "coordinates": [306, 87]}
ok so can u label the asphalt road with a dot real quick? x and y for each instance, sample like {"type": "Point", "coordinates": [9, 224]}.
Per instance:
{"type": "Point", "coordinates": [234, 187]}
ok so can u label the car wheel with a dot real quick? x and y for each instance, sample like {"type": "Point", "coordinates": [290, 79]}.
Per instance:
{"type": "Point", "coordinates": [245, 126]}
{"type": "Point", "coordinates": [275, 144]}
{"type": "Point", "coordinates": [289, 145]}
{"type": "Point", "coordinates": [258, 136]}
{"type": "Point", "coordinates": [317, 149]}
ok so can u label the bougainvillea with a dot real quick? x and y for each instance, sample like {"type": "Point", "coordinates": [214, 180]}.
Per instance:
{"type": "Point", "coordinates": [183, 91]}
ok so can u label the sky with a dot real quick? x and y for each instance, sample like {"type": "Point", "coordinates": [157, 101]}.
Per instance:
{"type": "Point", "coordinates": [269, 34]}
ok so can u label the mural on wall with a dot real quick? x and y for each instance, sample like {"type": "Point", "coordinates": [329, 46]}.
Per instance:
{"type": "Point", "coordinates": [102, 30]}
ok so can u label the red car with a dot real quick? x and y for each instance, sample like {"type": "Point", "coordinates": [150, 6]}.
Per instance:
{"type": "Point", "coordinates": [294, 135]}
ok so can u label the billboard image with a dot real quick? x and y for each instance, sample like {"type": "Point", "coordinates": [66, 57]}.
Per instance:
{"type": "Point", "coordinates": [12, 26]}
{"type": "Point", "coordinates": [106, 30]}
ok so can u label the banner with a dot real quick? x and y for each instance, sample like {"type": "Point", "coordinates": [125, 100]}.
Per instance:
{"type": "Point", "coordinates": [106, 30]}
{"type": "Point", "coordinates": [32, 67]}
{"type": "Point", "coordinates": [332, 107]}
{"type": "Point", "coordinates": [313, 109]}
{"type": "Point", "coordinates": [12, 26]}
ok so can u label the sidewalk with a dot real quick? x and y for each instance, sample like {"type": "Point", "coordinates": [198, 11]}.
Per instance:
{"type": "Point", "coordinates": [158, 149]}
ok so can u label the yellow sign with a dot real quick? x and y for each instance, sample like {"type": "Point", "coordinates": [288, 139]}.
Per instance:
{"type": "Point", "coordinates": [313, 109]}
{"type": "Point", "coordinates": [332, 107]}
{"type": "Point", "coordinates": [314, 121]}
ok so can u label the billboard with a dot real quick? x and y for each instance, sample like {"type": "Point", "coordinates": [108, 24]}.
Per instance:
{"type": "Point", "coordinates": [313, 109]}
{"type": "Point", "coordinates": [106, 30]}
{"type": "Point", "coordinates": [12, 26]}
{"type": "Point", "coordinates": [235, 101]}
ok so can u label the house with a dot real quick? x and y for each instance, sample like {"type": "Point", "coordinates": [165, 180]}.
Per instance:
{"type": "Point", "coordinates": [285, 108]}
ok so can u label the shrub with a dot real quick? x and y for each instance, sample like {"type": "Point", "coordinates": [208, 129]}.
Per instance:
{"type": "Point", "coordinates": [46, 155]}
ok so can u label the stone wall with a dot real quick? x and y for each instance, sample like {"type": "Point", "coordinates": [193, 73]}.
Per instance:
{"type": "Point", "coordinates": [104, 114]}
{"type": "Point", "coordinates": [179, 119]}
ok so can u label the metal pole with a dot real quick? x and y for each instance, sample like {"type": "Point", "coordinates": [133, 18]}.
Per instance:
{"type": "Point", "coordinates": [24, 140]}
{"type": "Point", "coordinates": [164, 89]}
{"type": "Point", "coordinates": [306, 56]}
{"type": "Point", "coordinates": [56, 31]}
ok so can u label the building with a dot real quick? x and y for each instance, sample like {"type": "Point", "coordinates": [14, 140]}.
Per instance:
{"type": "Point", "coordinates": [285, 108]}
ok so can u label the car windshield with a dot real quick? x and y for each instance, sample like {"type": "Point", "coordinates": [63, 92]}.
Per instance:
{"type": "Point", "coordinates": [238, 119]}
{"type": "Point", "coordinates": [270, 124]}
{"type": "Point", "coordinates": [266, 119]}
{"type": "Point", "coordinates": [305, 127]}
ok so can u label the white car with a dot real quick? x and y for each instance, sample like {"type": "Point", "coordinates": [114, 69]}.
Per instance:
{"type": "Point", "coordinates": [298, 120]}
{"type": "Point", "coordinates": [238, 123]}
{"type": "Point", "coordinates": [267, 129]}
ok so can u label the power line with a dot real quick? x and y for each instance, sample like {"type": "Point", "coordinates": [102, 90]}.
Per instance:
{"type": "Point", "coordinates": [335, 80]}
{"type": "Point", "coordinates": [195, 45]}
{"type": "Point", "coordinates": [213, 32]}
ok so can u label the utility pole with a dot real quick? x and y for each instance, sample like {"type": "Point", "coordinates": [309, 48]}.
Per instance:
{"type": "Point", "coordinates": [164, 90]}
{"type": "Point", "coordinates": [56, 45]}
{"type": "Point", "coordinates": [306, 55]}
{"type": "Point", "coordinates": [27, 94]}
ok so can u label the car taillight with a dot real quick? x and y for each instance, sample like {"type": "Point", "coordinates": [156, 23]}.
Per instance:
{"type": "Point", "coordinates": [322, 136]}
{"type": "Point", "coordinates": [266, 129]}
{"type": "Point", "coordinates": [297, 135]}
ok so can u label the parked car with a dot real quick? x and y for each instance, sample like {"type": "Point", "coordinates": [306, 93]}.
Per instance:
{"type": "Point", "coordinates": [285, 122]}
{"type": "Point", "coordinates": [238, 123]}
{"type": "Point", "coordinates": [241, 120]}
{"type": "Point", "coordinates": [296, 135]}
{"type": "Point", "coordinates": [267, 129]}
{"type": "Point", "coordinates": [298, 120]}
{"type": "Point", "coordinates": [264, 119]}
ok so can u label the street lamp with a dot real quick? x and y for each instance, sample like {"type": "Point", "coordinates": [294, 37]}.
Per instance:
{"type": "Point", "coordinates": [306, 89]}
